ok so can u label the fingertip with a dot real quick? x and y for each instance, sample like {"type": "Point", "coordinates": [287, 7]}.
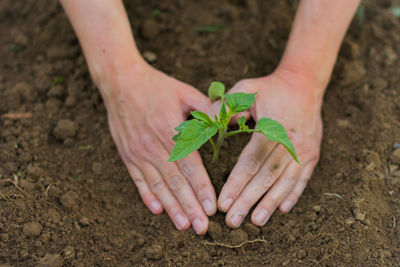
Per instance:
{"type": "Point", "coordinates": [225, 204]}
{"type": "Point", "coordinates": [155, 207]}
{"type": "Point", "coordinates": [286, 206]}
{"type": "Point", "coordinates": [209, 207]}
{"type": "Point", "coordinates": [200, 225]}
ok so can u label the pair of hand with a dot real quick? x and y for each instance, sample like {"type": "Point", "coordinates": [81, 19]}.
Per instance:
{"type": "Point", "coordinates": [144, 106]}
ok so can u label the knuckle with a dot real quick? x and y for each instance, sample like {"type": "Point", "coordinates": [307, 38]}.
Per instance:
{"type": "Point", "coordinates": [250, 165]}
{"type": "Point", "coordinates": [157, 186]}
{"type": "Point", "coordinates": [187, 169]}
{"type": "Point", "coordinates": [291, 180]}
{"type": "Point", "coordinates": [269, 179]}
{"type": "Point", "coordinates": [176, 182]}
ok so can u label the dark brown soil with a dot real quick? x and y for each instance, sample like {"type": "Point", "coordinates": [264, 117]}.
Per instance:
{"type": "Point", "coordinates": [66, 198]}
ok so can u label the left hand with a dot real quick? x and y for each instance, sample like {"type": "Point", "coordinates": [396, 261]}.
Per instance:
{"type": "Point", "coordinates": [266, 166]}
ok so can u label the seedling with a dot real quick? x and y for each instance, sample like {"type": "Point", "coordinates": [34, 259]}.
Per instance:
{"type": "Point", "coordinates": [192, 134]}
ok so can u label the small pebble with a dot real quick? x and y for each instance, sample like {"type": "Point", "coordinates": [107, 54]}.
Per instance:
{"type": "Point", "coordinates": [84, 221]}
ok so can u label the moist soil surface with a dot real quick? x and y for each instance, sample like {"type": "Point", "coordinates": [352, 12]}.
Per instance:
{"type": "Point", "coordinates": [67, 199]}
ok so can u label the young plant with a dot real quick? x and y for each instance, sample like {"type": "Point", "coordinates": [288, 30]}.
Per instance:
{"type": "Point", "coordinates": [192, 134]}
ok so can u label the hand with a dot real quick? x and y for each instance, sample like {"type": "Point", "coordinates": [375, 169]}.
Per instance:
{"type": "Point", "coordinates": [143, 107]}
{"type": "Point", "coordinates": [265, 166]}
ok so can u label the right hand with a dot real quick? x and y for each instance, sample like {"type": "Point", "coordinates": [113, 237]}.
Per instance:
{"type": "Point", "coordinates": [144, 106]}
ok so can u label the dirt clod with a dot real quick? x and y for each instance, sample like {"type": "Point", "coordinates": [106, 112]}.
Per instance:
{"type": "Point", "coordinates": [237, 236]}
{"type": "Point", "coordinates": [150, 29]}
{"type": "Point", "coordinates": [65, 129]}
{"type": "Point", "coordinates": [154, 252]}
{"type": "Point", "coordinates": [70, 200]}
{"type": "Point", "coordinates": [32, 229]}
{"type": "Point", "coordinates": [4, 237]}
{"type": "Point", "coordinates": [27, 91]}
{"type": "Point", "coordinates": [395, 157]}
{"type": "Point", "coordinates": [360, 216]}
{"type": "Point", "coordinates": [50, 260]}
{"type": "Point", "coordinates": [214, 230]}
{"type": "Point", "coordinates": [251, 230]}
{"type": "Point", "coordinates": [68, 253]}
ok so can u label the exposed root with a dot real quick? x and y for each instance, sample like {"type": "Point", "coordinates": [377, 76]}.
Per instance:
{"type": "Point", "coordinates": [218, 244]}
{"type": "Point", "coordinates": [5, 198]}
{"type": "Point", "coordinates": [333, 250]}
{"type": "Point", "coordinates": [333, 194]}
{"type": "Point", "coordinates": [15, 183]}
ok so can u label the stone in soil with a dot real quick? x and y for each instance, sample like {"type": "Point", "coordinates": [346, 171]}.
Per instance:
{"type": "Point", "coordinates": [32, 229]}
{"type": "Point", "coordinates": [65, 129]}
{"type": "Point", "coordinates": [214, 230]}
{"type": "Point", "coordinates": [50, 260]}
{"type": "Point", "coordinates": [70, 200]}
{"type": "Point", "coordinates": [84, 221]}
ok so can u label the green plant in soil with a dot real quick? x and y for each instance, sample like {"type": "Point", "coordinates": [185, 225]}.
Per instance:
{"type": "Point", "coordinates": [192, 134]}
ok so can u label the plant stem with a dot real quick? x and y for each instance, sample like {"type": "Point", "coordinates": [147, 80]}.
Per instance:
{"type": "Point", "coordinates": [240, 131]}
{"type": "Point", "coordinates": [212, 144]}
{"type": "Point", "coordinates": [218, 146]}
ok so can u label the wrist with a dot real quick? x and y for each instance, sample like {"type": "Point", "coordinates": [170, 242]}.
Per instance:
{"type": "Point", "coordinates": [302, 79]}
{"type": "Point", "coordinates": [105, 69]}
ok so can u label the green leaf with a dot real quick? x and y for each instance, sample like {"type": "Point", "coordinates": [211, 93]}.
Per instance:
{"type": "Point", "coordinates": [223, 115]}
{"type": "Point", "coordinates": [242, 123]}
{"type": "Point", "coordinates": [192, 137]}
{"type": "Point", "coordinates": [216, 90]}
{"type": "Point", "coordinates": [274, 131]}
{"type": "Point", "coordinates": [180, 128]}
{"type": "Point", "coordinates": [201, 116]}
{"type": "Point", "coordinates": [239, 102]}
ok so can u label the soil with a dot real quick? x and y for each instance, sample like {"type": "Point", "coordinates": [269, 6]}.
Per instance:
{"type": "Point", "coordinates": [67, 199]}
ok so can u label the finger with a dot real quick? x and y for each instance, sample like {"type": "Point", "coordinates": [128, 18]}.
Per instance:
{"type": "Point", "coordinates": [183, 192]}
{"type": "Point", "coordinates": [273, 167]}
{"type": "Point", "coordinates": [149, 199]}
{"type": "Point", "coordinates": [297, 191]}
{"type": "Point", "coordinates": [195, 100]}
{"type": "Point", "coordinates": [235, 117]}
{"type": "Point", "coordinates": [249, 162]}
{"type": "Point", "coordinates": [192, 168]}
{"type": "Point", "coordinates": [161, 190]}
{"type": "Point", "coordinates": [276, 194]}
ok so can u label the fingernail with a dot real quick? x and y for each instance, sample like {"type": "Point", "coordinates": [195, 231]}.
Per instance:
{"type": "Point", "coordinates": [198, 225]}
{"type": "Point", "coordinates": [287, 205]}
{"type": "Point", "coordinates": [208, 207]}
{"type": "Point", "coordinates": [262, 217]}
{"type": "Point", "coordinates": [237, 219]}
{"type": "Point", "coordinates": [155, 206]}
{"type": "Point", "coordinates": [180, 221]}
{"type": "Point", "coordinates": [226, 204]}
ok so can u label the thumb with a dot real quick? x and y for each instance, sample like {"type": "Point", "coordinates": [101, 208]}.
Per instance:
{"type": "Point", "coordinates": [195, 100]}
